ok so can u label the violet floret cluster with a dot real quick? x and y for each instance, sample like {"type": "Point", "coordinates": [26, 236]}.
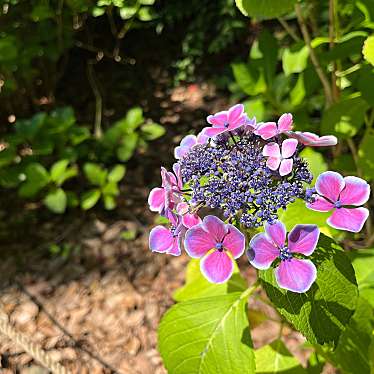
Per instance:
{"type": "Point", "coordinates": [248, 172]}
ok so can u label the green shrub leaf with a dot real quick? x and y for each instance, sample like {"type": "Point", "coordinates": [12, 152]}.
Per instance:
{"type": "Point", "coordinates": [207, 336]}
{"type": "Point", "coordinates": [116, 174]}
{"type": "Point", "coordinates": [95, 173]}
{"type": "Point", "coordinates": [37, 177]}
{"type": "Point", "coordinates": [152, 131]}
{"type": "Point", "coordinates": [56, 201]}
{"type": "Point", "coordinates": [368, 49]}
{"type": "Point", "coordinates": [295, 62]}
{"type": "Point", "coordinates": [265, 9]}
{"type": "Point", "coordinates": [90, 198]}
{"type": "Point", "coordinates": [322, 313]}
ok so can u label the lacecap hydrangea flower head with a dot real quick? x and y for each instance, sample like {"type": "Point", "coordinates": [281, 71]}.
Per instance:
{"type": "Point", "coordinates": [246, 172]}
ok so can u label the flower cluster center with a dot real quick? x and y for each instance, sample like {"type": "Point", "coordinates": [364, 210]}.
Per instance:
{"type": "Point", "coordinates": [285, 254]}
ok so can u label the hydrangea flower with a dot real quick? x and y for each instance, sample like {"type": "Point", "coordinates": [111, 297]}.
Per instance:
{"type": "Point", "coordinates": [161, 199]}
{"type": "Point", "coordinates": [225, 121]}
{"type": "Point", "coordinates": [292, 274]}
{"type": "Point", "coordinates": [187, 143]}
{"type": "Point", "coordinates": [269, 130]}
{"type": "Point", "coordinates": [188, 219]}
{"type": "Point", "coordinates": [280, 159]}
{"type": "Point", "coordinates": [217, 244]}
{"type": "Point", "coordinates": [313, 140]}
{"type": "Point", "coordinates": [170, 240]}
{"type": "Point", "coordinates": [339, 195]}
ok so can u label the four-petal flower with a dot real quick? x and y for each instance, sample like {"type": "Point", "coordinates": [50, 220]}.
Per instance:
{"type": "Point", "coordinates": [280, 159]}
{"type": "Point", "coordinates": [293, 274]}
{"type": "Point", "coordinates": [269, 130]}
{"type": "Point", "coordinates": [225, 121]}
{"type": "Point", "coordinates": [217, 244]}
{"type": "Point", "coordinates": [337, 193]}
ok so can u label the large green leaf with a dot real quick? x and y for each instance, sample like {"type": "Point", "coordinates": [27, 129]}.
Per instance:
{"type": "Point", "coordinates": [366, 155]}
{"type": "Point", "coordinates": [265, 9]}
{"type": "Point", "coordinates": [295, 61]}
{"type": "Point", "coordinates": [56, 201]}
{"type": "Point", "coordinates": [322, 313]}
{"type": "Point", "coordinates": [368, 49]}
{"type": "Point", "coordinates": [197, 286]}
{"type": "Point", "coordinates": [268, 46]}
{"type": "Point", "coordinates": [37, 177]}
{"type": "Point", "coordinates": [207, 336]}
{"type": "Point", "coordinates": [250, 80]}
{"type": "Point", "coordinates": [345, 118]}
{"type": "Point", "coordinates": [316, 162]}
{"type": "Point", "coordinates": [353, 354]}
{"type": "Point", "coordinates": [363, 263]}
{"type": "Point", "coordinates": [275, 358]}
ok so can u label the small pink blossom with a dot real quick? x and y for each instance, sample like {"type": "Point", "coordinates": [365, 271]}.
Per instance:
{"type": "Point", "coordinates": [217, 244]}
{"type": "Point", "coordinates": [188, 219]}
{"type": "Point", "coordinates": [313, 140]}
{"type": "Point", "coordinates": [293, 274]}
{"type": "Point", "coordinates": [269, 130]}
{"type": "Point", "coordinates": [187, 143]}
{"type": "Point", "coordinates": [338, 194]}
{"type": "Point", "coordinates": [161, 199]}
{"type": "Point", "coordinates": [280, 158]}
{"type": "Point", "coordinates": [225, 121]}
{"type": "Point", "coordinates": [170, 240]}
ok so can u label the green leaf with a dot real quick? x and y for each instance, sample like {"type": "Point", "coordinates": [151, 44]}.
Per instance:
{"type": "Point", "coordinates": [268, 45]}
{"type": "Point", "coordinates": [295, 61]}
{"type": "Point", "coordinates": [37, 177]}
{"type": "Point", "coordinates": [134, 118]}
{"type": "Point", "coordinates": [207, 336]}
{"type": "Point", "coordinates": [56, 201]}
{"type": "Point", "coordinates": [117, 173]}
{"type": "Point", "coordinates": [95, 173]}
{"type": "Point", "coordinates": [146, 14]}
{"type": "Point", "coordinates": [365, 83]}
{"type": "Point", "coordinates": [345, 118]}
{"type": "Point", "coordinates": [265, 9]}
{"type": "Point", "coordinates": [322, 313]}
{"type": "Point", "coordinates": [90, 198]}
{"type": "Point", "coordinates": [197, 286]}
{"type": "Point", "coordinates": [368, 49]}
{"type": "Point", "coordinates": [249, 79]}
{"type": "Point", "coordinates": [255, 108]}
{"type": "Point", "coordinates": [316, 162]}
{"type": "Point", "coordinates": [298, 92]}
{"type": "Point", "coordinates": [110, 188]}
{"type": "Point", "coordinates": [79, 135]}
{"type": "Point", "coordinates": [109, 202]}
{"type": "Point", "coordinates": [363, 263]}
{"type": "Point", "coordinates": [298, 213]}
{"type": "Point", "coordinates": [126, 150]}
{"type": "Point", "coordinates": [366, 155]}
{"type": "Point", "coordinates": [152, 131]}
{"type": "Point", "coordinates": [275, 358]}
{"type": "Point", "coordinates": [353, 354]}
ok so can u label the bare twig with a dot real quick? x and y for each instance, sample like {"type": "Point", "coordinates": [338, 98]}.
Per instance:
{"type": "Point", "coordinates": [313, 57]}
{"type": "Point", "coordinates": [98, 99]}
{"type": "Point", "coordinates": [332, 30]}
{"type": "Point", "coordinates": [289, 29]}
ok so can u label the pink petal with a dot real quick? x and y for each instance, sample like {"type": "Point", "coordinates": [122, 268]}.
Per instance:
{"type": "Point", "coordinates": [303, 239]}
{"type": "Point", "coordinates": [348, 219]}
{"type": "Point", "coordinates": [286, 167]}
{"type": "Point", "coordinates": [234, 241]}
{"type": "Point", "coordinates": [198, 242]}
{"type": "Point", "coordinates": [276, 232]}
{"type": "Point", "coordinates": [210, 132]}
{"type": "Point", "coordinates": [160, 239]}
{"type": "Point", "coordinates": [313, 140]}
{"type": "Point", "coordinates": [176, 248]}
{"type": "Point", "coordinates": [285, 122]}
{"type": "Point", "coordinates": [217, 267]}
{"type": "Point", "coordinates": [235, 112]}
{"type": "Point", "coordinates": [190, 220]}
{"type": "Point", "coordinates": [180, 152]}
{"type": "Point", "coordinates": [296, 275]}
{"type": "Point", "coordinates": [215, 227]}
{"type": "Point", "coordinates": [271, 150]}
{"type": "Point", "coordinates": [262, 252]}
{"type": "Point", "coordinates": [325, 141]}
{"type": "Point", "coordinates": [273, 163]}
{"type": "Point", "coordinates": [177, 171]}
{"type": "Point", "coordinates": [237, 124]}
{"type": "Point", "coordinates": [168, 179]}
{"type": "Point", "coordinates": [201, 138]}
{"type": "Point", "coordinates": [156, 199]}
{"type": "Point", "coordinates": [356, 191]}
{"type": "Point", "coordinates": [218, 120]}
{"type": "Point", "coordinates": [289, 147]}
{"type": "Point", "coordinates": [267, 130]}
{"type": "Point", "coordinates": [329, 184]}
{"type": "Point", "coordinates": [188, 141]}
{"type": "Point", "coordinates": [320, 204]}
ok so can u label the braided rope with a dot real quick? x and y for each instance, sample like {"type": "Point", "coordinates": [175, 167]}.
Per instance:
{"type": "Point", "coordinates": [31, 348]}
